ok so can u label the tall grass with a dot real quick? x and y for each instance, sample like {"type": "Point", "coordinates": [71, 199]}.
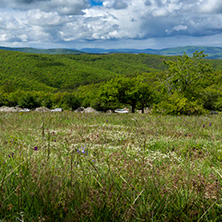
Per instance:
{"type": "Point", "coordinates": [109, 167]}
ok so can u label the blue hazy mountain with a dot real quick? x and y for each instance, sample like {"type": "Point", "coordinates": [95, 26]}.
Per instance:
{"type": "Point", "coordinates": [212, 52]}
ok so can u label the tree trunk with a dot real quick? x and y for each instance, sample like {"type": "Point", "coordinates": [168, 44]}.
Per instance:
{"type": "Point", "coordinates": [143, 109]}
{"type": "Point", "coordinates": [133, 108]}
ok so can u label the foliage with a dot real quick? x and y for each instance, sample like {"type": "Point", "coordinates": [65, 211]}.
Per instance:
{"type": "Point", "coordinates": [110, 81]}
{"type": "Point", "coordinates": [72, 101]}
{"type": "Point", "coordinates": [29, 101]}
{"type": "Point", "coordinates": [64, 72]}
{"type": "Point", "coordinates": [211, 96]}
{"type": "Point", "coordinates": [176, 104]}
{"type": "Point", "coordinates": [2, 100]}
{"type": "Point", "coordinates": [218, 105]}
{"type": "Point", "coordinates": [185, 75]}
{"type": "Point", "coordinates": [129, 91]}
{"type": "Point", "coordinates": [185, 80]}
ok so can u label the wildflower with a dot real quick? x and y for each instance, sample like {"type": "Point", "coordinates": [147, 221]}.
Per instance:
{"type": "Point", "coordinates": [210, 124]}
{"type": "Point", "coordinates": [35, 148]}
{"type": "Point", "coordinates": [11, 155]}
{"type": "Point", "coordinates": [203, 125]}
{"type": "Point", "coordinates": [83, 150]}
{"type": "Point", "coordinates": [54, 140]}
{"type": "Point", "coordinates": [107, 120]}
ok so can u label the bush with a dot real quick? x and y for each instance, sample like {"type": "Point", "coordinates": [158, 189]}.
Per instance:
{"type": "Point", "coordinates": [2, 100]}
{"type": "Point", "coordinates": [47, 102]}
{"type": "Point", "coordinates": [218, 105]}
{"type": "Point", "coordinates": [71, 101]}
{"type": "Point", "coordinates": [177, 105]}
{"type": "Point", "coordinates": [29, 101]}
{"type": "Point", "coordinates": [212, 97]}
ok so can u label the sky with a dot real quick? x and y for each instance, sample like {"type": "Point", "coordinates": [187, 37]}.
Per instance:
{"type": "Point", "coordinates": [109, 24]}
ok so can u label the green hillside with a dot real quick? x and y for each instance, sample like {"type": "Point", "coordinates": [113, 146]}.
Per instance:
{"type": "Point", "coordinates": [64, 72]}
{"type": "Point", "coordinates": [70, 81]}
{"type": "Point", "coordinates": [41, 72]}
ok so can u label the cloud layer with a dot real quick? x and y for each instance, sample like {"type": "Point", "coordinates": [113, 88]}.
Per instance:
{"type": "Point", "coordinates": [66, 21]}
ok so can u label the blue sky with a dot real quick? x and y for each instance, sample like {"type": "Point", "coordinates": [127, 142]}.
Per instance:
{"type": "Point", "coordinates": [96, 3]}
{"type": "Point", "coordinates": [110, 23]}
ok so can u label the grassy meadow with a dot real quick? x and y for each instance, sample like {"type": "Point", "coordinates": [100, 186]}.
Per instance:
{"type": "Point", "coordinates": [110, 167]}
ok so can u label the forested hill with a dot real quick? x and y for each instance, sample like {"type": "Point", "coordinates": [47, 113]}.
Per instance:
{"type": "Point", "coordinates": [70, 81]}
{"type": "Point", "coordinates": [64, 72]}
{"type": "Point", "coordinates": [40, 72]}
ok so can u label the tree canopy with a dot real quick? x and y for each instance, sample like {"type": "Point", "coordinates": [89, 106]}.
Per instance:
{"type": "Point", "coordinates": [186, 74]}
{"type": "Point", "coordinates": [134, 91]}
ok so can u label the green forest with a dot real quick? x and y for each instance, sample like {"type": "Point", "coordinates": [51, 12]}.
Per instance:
{"type": "Point", "coordinates": [164, 84]}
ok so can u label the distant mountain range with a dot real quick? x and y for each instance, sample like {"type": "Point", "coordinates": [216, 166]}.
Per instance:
{"type": "Point", "coordinates": [212, 52]}
{"type": "Point", "coordinates": [44, 51]}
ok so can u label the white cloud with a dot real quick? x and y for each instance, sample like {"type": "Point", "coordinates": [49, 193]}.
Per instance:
{"type": "Point", "coordinates": [3, 37]}
{"type": "Point", "coordinates": [211, 6]}
{"type": "Point", "coordinates": [39, 18]}
{"type": "Point", "coordinates": [67, 7]}
{"type": "Point", "coordinates": [63, 7]}
{"type": "Point", "coordinates": [180, 27]}
{"type": "Point", "coordinates": [58, 21]}
{"type": "Point", "coordinates": [119, 4]}
{"type": "Point", "coordinates": [160, 12]}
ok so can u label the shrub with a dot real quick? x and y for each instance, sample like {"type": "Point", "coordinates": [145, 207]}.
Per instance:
{"type": "Point", "coordinates": [72, 101]}
{"type": "Point", "coordinates": [176, 105]}
{"type": "Point", "coordinates": [218, 105]}
{"type": "Point", "coordinates": [212, 98]}
{"type": "Point", "coordinates": [29, 101]}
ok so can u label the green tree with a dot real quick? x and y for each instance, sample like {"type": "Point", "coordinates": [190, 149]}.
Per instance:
{"type": "Point", "coordinates": [72, 101]}
{"type": "Point", "coordinates": [134, 91]}
{"type": "Point", "coordinates": [29, 101]}
{"type": "Point", "coordinates": [127, 92]}
{"type": "Point", "coordinates": [2, 99]}
{"type": "Point", "coordinates": [7, 86]}
{"type": "Point", "coordinates": [185, 75]}
{"type": "Point", "coordinates": [184, 85]}
{"type": "Point", "coordinates": [211, 95]}
{"type": "Point", "coordinates": [46, 100]}
{"type": "Point", "coordinates": [108, 96]}
{"type": "Point", "coordinates": [144, 92]}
